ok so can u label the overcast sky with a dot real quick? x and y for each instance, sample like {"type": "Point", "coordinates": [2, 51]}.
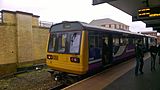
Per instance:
{"type": "Point", "coordinates": [71, 10]}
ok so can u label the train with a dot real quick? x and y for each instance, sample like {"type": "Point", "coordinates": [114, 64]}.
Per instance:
{"type": "Point", "coordinates": [77, 48]}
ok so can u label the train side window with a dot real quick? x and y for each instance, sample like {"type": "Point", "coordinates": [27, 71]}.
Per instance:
{"type": "Point", "coordinates": [134, 41]}
{"type": "Point", "coordinates": [116, 41]}
{"type": "Point", "coordinates": [123, 41]}
{"type": "Point", "coordinates": [131, 40]}
{"type": "Point", "coordinates": [144, 40]}
{"type": "Point", "coordinates": [150, 41]}
{"type": "Point", "coordinates": [96, 40]}
{"type": "Point", "coordinates": [91, 41]}
{"type": "Point", "coordinates": [94, 46]}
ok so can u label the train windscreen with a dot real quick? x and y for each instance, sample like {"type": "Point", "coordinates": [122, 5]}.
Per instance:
{"type": "Point", "coordinates": [65, 42]}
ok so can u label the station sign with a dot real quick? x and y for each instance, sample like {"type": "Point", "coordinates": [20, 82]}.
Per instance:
{"type": "Point", "coordinates": [152, 12]}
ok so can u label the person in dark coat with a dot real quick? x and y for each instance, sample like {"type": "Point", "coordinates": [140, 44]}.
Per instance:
{"type": "Point", "coordinates": [104, 52]}
{"type": "Point", "coordinates": [139, 57]}
{"type": "Point", "coordinates": [153, 52]}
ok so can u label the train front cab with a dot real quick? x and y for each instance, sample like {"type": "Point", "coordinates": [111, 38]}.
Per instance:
{"type": "Point", "coordinates": [67, 52]}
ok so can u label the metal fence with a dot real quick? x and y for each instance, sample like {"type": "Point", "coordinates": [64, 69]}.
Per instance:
{"type": "Point", "coordinates": [0, 17]}
{"type": "Point", "coordinates": [45, 24]}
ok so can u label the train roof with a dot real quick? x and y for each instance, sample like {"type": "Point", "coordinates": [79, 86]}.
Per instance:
{"type": "Point", "coordinates": [150, 36]}
{"type": "Point", "coordinates": [76, 25]}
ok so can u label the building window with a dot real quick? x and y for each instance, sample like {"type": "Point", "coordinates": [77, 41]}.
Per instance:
{"type": "Point", "coordinates": [112, 25]}
{"type": "Point", "coordinates": [119, 26]}
{"type": "Point", "coordinates": [103, 25]}
{"type": "Point", "coordinates": [109, 25]}
{"type": "Point", "coordinates": [115, 26]}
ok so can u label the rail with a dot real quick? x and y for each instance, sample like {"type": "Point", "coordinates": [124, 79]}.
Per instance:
{"type": "Point", "coordinates": [45, 24]}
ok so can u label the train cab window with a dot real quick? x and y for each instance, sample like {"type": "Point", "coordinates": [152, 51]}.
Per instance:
{"type": "Point", "coordinates": [65, 42]}
{"type": "Point", "coordinates": [75, 43]}
{"type": "Point", "coordinates": [62, 42]}
{"type": "Point", "coordinates": [51, 44]}
{"type": "Point", "coordinates": [58, 42]}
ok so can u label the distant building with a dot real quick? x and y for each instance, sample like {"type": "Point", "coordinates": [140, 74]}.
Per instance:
{"type": "Point", "coordinates": [152, 33]}
{"type": "Point", "coordinates": [109, 23]}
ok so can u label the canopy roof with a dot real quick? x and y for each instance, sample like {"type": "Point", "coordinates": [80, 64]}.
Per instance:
{"type": "Point", "coordinates": [132, 8]}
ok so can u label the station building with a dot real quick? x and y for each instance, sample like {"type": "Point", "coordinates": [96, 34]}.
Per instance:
{"type": "Point", "coordinates": [109, 23]}
{"type": "Point", "coordinates": [152, 33]}
{"type": "Point", "coordinates": [23, 40]}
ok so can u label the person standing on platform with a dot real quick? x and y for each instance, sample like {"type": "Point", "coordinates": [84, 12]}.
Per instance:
{"type": "Point", "coordinates": [153, 52]}
{"type": "Point", "coordinates": [159, 52]}
{"type": "Point", "coordinates": [104, 52]}
{"type": "Point", "coordinates": [139, 57]}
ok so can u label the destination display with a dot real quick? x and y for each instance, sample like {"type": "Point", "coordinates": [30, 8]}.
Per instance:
{"type": "Point", "coordinates": [149, 12]}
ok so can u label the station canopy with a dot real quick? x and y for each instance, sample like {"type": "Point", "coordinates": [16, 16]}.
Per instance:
{"type": "Point", "coordinates": [147, 11]}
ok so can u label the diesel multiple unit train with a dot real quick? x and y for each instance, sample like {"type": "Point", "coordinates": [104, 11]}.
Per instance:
{"type": "Point", "coordinates": [77, 48]}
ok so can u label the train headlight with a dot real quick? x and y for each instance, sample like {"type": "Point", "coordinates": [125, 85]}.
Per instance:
{"type": "Point", "coordinates": [75, 59]}
{"type": "Point", "coordinates": [49, 57]}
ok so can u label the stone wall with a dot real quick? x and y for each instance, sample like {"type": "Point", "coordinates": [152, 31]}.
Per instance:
{"type": "Point", "coordinates": [22, 41]}
{"type": "Point", "coordinates": [40, 37]}
{"type": "Point", "coordinates": [25, 41]}
{"type": "Point", "coordinates": [8, 49]}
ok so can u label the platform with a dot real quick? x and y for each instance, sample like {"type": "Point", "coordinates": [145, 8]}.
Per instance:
{"type": "Point", "coordinates": [122, 77]}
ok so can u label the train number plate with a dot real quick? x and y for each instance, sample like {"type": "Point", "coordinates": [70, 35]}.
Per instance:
{"type": "Point", "coordinates": [55, 57]}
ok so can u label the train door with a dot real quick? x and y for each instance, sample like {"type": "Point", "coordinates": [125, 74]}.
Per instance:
{"type": "Point", "coordinates": [95, 55]}
{"type": "Point", "coordinates": [98, 48]}
{"type": "Point", "coordinates": [105, 50]}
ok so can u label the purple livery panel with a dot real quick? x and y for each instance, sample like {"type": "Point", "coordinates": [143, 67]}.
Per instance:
{"type": "Point", "coordinates": [126, 51]}
{"type": "Point", "coordinates": [94, 66]}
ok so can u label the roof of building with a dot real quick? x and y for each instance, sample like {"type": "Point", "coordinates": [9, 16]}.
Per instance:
{"type": "Point", "coordinates": [149, 32]}
{"type": "Point", "coordinates": [105, 21]}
